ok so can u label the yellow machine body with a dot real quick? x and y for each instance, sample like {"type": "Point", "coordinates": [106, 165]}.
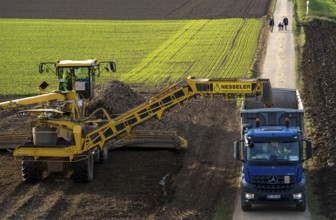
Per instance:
{"type": "Point", "coordinates": [62, 133]}
{"type": "Point", "coordinates": [107, 132]}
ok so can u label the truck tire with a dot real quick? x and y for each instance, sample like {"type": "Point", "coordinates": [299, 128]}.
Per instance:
{"type": "Point", "coordinates": [84, 169]}
{"type": "Point", "coordinates": [103, 155]}
{"type": "Point", "coordinates": [31, 172]}
{"type": "Point", "coordinates": [301, 207]}
{"type": "Point", "coordinates": [246, 208]}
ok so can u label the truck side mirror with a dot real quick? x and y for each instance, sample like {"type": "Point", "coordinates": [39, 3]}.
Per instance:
{"type": "Point", "coordinates": [307, 149]}
{"type": "Point", "coordinates": [238, 153]}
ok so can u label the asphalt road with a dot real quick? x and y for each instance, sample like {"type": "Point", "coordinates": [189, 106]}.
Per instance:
{"type": "Point", "coordinates": [279, 67]}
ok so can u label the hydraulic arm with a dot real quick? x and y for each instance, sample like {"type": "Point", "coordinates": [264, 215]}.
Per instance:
{"type": "Point", "coordinates": [32, 100]}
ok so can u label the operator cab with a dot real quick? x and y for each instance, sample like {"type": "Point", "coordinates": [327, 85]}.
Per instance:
{"type": "Point", "coordinates": [81, 79]}
{"type": "Point", "coordinates": [78, 75]}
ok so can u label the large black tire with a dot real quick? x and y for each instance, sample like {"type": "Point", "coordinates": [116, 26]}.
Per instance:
{"type": "Point", "coordinates": [97, 157]}
{"type": "Point", "coordinates": [103, 155]}
{"type": "Point", "coordinates": [246, 208]}
{"type": "Point", "coordinates": [301, 207]}
{"type": "Point", "coordinates": [84, 169]}
{"type": "Point", "coordinates": [31, 172]}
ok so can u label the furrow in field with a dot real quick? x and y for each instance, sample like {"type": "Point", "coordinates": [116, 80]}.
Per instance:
{"type": "Point", "coordinates": [241, 56]}
{"type": "Point", "coordinates": [185, 58]}
{"type": "Point", "coordinates": [186, 53]}
{"type": "Point", "coordinates": [249, 43]}
{"type": "Point", "coordinates": [153, 60]}
{"type": "Point", "coordinates": [175, 60]}
{"type": "Point", "coordinates": [216, 69]}
{"type": "Point", "coordinates": [237, 51]}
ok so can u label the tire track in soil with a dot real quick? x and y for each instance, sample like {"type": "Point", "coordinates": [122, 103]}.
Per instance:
{"type": "Point", "coordinates": [177, 9]}
{"type": "Point", "coordinates": [21, 196]}
{"type": "Point", "coordinates": [203, 179]}
{"type": "Point", "coordinates": [37, 200]}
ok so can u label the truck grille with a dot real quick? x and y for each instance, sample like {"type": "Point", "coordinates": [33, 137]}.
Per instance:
{"type": "Point", "coordinates": [273, 184]}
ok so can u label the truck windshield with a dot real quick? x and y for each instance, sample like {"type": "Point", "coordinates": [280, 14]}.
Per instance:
{"type": "Point", "coordinates": [282, 152]}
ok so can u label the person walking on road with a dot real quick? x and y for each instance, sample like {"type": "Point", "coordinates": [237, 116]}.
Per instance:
{"type": "Point", "coordinates": [271, 24]}
{"type": "Point", "coordinates": [285, 22]}
{"type": "Point", "coordinates": [280, 26]}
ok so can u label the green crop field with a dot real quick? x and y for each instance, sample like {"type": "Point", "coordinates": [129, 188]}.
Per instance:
{"type": "Point", "coordinates": [323, 8]}
{"type": "Point", "coordinates": [145, 51]}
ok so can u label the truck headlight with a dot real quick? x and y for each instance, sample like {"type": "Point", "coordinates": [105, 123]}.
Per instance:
{"type": "Point", "coordinates": [297, 196]}
{"type": "Point", "coordinates": [249, 196]}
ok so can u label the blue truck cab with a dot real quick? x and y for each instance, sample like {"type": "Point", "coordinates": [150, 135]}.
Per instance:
{"type": "Point", "coordinates": [272, 149]}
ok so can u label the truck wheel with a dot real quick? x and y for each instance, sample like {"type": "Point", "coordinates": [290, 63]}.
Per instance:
{"type": "Point", "coordinates": [301, 207]}
{"type": "Point", "coordinates": [31, 172]}
{"type": "Point", "coordinates": [246, 208]}
{"type": "Point", "coordinates": [103, 155]}
{"type": "Point", "coordinates": [84, 169]}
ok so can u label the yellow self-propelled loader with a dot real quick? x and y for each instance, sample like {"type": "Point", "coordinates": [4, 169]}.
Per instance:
{"type": "Point", "coordinates": [64, 137]}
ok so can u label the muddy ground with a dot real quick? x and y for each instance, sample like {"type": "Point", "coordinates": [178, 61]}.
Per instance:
{"type": "Point", "coordinates": [319, 85]}
{"type": "Point", "coordinates": [138, 183]}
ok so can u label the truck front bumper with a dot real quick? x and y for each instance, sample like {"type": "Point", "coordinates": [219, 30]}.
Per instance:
{"type": "Point", "coordinates": [251, 195]}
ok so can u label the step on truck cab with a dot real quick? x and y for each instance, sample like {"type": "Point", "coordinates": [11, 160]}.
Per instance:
{"type": "Point", "coordinates": [273, 149]}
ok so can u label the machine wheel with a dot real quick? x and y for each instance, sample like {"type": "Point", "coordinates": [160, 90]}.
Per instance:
{"type": "Point", "coordinates": [97, 157]}
{"type": "Point", "coordinates": [31, 172]}
{"type": "Point", "coordinates": [103, 155]}
{"type": "Point", "coordinates": [84, 169]}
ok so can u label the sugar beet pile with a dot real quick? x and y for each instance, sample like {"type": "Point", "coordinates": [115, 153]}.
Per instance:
{"type": "Point", "coordinates": [114, 96]}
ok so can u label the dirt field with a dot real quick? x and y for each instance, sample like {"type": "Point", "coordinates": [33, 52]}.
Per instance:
{"type": "Point", "coordinates": [139, 184]}
{"type": "Point", "coordinates": [319, 86]}
{"type": "Point", "coordinates": [134, 9]}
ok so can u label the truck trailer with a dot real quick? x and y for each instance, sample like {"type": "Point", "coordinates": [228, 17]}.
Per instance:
{"type": "Point", "coordinates": [272, 149]}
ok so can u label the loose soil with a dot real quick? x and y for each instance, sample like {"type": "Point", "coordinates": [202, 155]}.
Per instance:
{"type": "Point", "coordinates": [138, 183]}
{"type": "Point", "coordinates": [319, 85]}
